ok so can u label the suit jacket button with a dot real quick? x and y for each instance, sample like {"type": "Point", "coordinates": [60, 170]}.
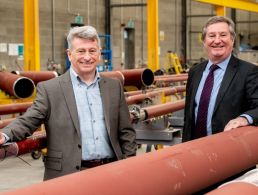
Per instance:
{"type": "Point", "coordinates": [78, 167]}
{"type": "Point", "coordinates": [79, 146]}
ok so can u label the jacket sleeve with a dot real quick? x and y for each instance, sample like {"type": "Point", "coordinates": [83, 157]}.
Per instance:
{"type": "Point", "coordinates": [252, 94]}
{"type": "Point", "coordinates": [126, 133]}
{"type": "Point", "coordinates": [24, 125]}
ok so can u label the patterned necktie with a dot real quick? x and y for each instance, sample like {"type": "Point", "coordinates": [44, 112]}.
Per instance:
{"type": "Point", "coordinates": [201, 121]}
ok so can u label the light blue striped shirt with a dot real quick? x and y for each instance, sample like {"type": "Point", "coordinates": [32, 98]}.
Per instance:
{"type": "Point", "coordinates": [95, 140]}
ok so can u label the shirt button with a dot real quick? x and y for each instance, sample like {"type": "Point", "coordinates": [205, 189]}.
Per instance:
{"type": "Point", "coordinates": [93, 121]}
{"type": "Point", "coordinates": [97, 138]}
{"type": "Point", "coordinates": [90, 104]}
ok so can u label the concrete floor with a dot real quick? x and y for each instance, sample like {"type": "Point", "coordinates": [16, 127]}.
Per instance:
{"type": "Point", "coordinates": [24, 171]}
{"type": "Point", "coordinates": [19, 172]}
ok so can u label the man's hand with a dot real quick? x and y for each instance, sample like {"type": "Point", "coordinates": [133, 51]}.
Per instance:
{"type": "Point", "coordinates": [2, 139]}
{"type": "Point", "coordinates": [235, 123]}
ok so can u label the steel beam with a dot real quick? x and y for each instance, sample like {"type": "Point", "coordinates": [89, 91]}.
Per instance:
{"type": "Point", "coordinates": [31, 35]}
{"type": "Point", "coordinates": [153, 34]}
{"type": "Point", "coordinates": [237, 4]}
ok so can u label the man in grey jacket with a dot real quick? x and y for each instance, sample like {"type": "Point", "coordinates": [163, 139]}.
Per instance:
{"type": "Point", "coordinates": [85, 115]}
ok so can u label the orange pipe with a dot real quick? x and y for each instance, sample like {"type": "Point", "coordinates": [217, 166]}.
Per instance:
{"type": "Point", "coordinates": [133, 77]}
{"type": "Point", "coordinates": [14, 108]}
{"type": "Point", "coordinates": [162, 109]}
{"type": "Point", "coordinates": [37, 76]}
{"type": "Point", "coordinates": [171, 79]}
{"type": "Point", "coordinates": [167, 91]}
{"type": "Point", "coordinates": [170, 76]}
{"type": "Point", "coordinates": [180, 169]}
{"type": "Point", "coordinates": [115, 75]}
{"type": "Point", "coordinates": [15, 85]}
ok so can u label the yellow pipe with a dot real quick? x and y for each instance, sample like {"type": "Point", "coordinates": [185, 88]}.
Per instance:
{"type": "Point", "coordinates": [153, 36]}
{"type": "Point", "coordinates": [247, 5]}
{"type": "Point", "coordinates": [31, 36]}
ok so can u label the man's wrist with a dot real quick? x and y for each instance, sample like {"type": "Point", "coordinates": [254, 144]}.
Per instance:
{"type": "Point", "coordinates": [248, 118]}
{"type": "Point", "coordinates": [6, 138]}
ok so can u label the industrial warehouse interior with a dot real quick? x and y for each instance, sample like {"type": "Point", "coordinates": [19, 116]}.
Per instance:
{"type": "Point", "coordinates": [174, 111]}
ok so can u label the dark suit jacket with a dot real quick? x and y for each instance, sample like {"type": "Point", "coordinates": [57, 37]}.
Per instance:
{"type": "Point", "coordinates": [55, 106]}
{"type": "Point", "coordinates": [237, 95]}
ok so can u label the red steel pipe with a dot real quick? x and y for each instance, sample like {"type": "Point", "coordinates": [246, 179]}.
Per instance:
{"type": "Point", "coordinates": [35, 142]}
{"type": "Point", "coordinates": [15, 85]}
{"type": "Point", "coordinates": [14, 108]}
{"type": "Point", "coordinates": [171, 79]}
{"type": "Point", "coordinates": [37, 76]}
{"type": "Point", "coordinates": [162, 109]}
{"type": "Point", "coordinates": [114, 74]}
{"type": "Point", "coordinates": [180, 88]}
{"type": "Point", "coordinates": [170, 76]}
{"type": "Point", "coordinates": [180, 169]}
{"type": "Point", "coordinates": [167, 91]}
{"type": "Point", "coordinates": [133, 77]}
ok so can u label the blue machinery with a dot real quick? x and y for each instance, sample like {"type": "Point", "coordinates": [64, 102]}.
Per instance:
{"type": "Point", "coordinates": [106, 53]}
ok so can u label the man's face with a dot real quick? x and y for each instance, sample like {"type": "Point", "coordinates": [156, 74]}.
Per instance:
{"type": "Point", "coordinates": [84, 56]}
{"type": "Point", "coordinates": [218, 42]}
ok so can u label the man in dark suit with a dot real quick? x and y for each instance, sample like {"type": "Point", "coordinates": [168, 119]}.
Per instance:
{"type": "Point", "coordinates": [86, 116]}
{"type": "Point", "coordinates": [233, 97]}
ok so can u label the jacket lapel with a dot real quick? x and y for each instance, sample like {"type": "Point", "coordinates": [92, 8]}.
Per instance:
{"type": "Point", "coordinates": [104, 91]}
{"type": "Point", "coordinates": [67, 88]}
{"type": "Point", "coordinates": [227, 79]}
{"type": "Point", "coordinates": [196, 81]}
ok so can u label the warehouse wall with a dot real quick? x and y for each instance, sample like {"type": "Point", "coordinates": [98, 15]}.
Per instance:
{"type": "Point", "coordinates": [52, 37]}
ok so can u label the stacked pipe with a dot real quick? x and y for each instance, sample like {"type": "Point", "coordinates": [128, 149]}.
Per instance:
{"type": "Point", "coordinates": [38, 139]}
{"type": "Point", "coordinates": [165, 80]}
{"type": "Point", "coordinates": [134, 77]}
{"type": "Point", "coordinates": [185, 168]}
{"type": "Point", "coordinates": [14, 108]}
{"type": "Point", "coordinates": [133, 99]}
{"type": "Point", "coordinates": [15, 85]}
{"type": "Point", "coordinates": [37, 76]}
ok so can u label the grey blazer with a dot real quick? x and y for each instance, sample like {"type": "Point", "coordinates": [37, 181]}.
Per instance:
{"type": "Point", "coordinates": [238, 94]}
{"type": "Point", "coordinates": [55, 106]}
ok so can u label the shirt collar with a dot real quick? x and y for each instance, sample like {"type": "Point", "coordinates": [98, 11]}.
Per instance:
{"type": "Point", "coordinates": [223, 65]}
{"type": "Point", "coordinates": [76, 78]}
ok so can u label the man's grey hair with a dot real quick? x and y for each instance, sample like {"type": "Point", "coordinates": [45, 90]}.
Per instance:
{"type": "Point", "coordinates": [82, 32]}
{"type": "Point", "coordinates": [218, 19]}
